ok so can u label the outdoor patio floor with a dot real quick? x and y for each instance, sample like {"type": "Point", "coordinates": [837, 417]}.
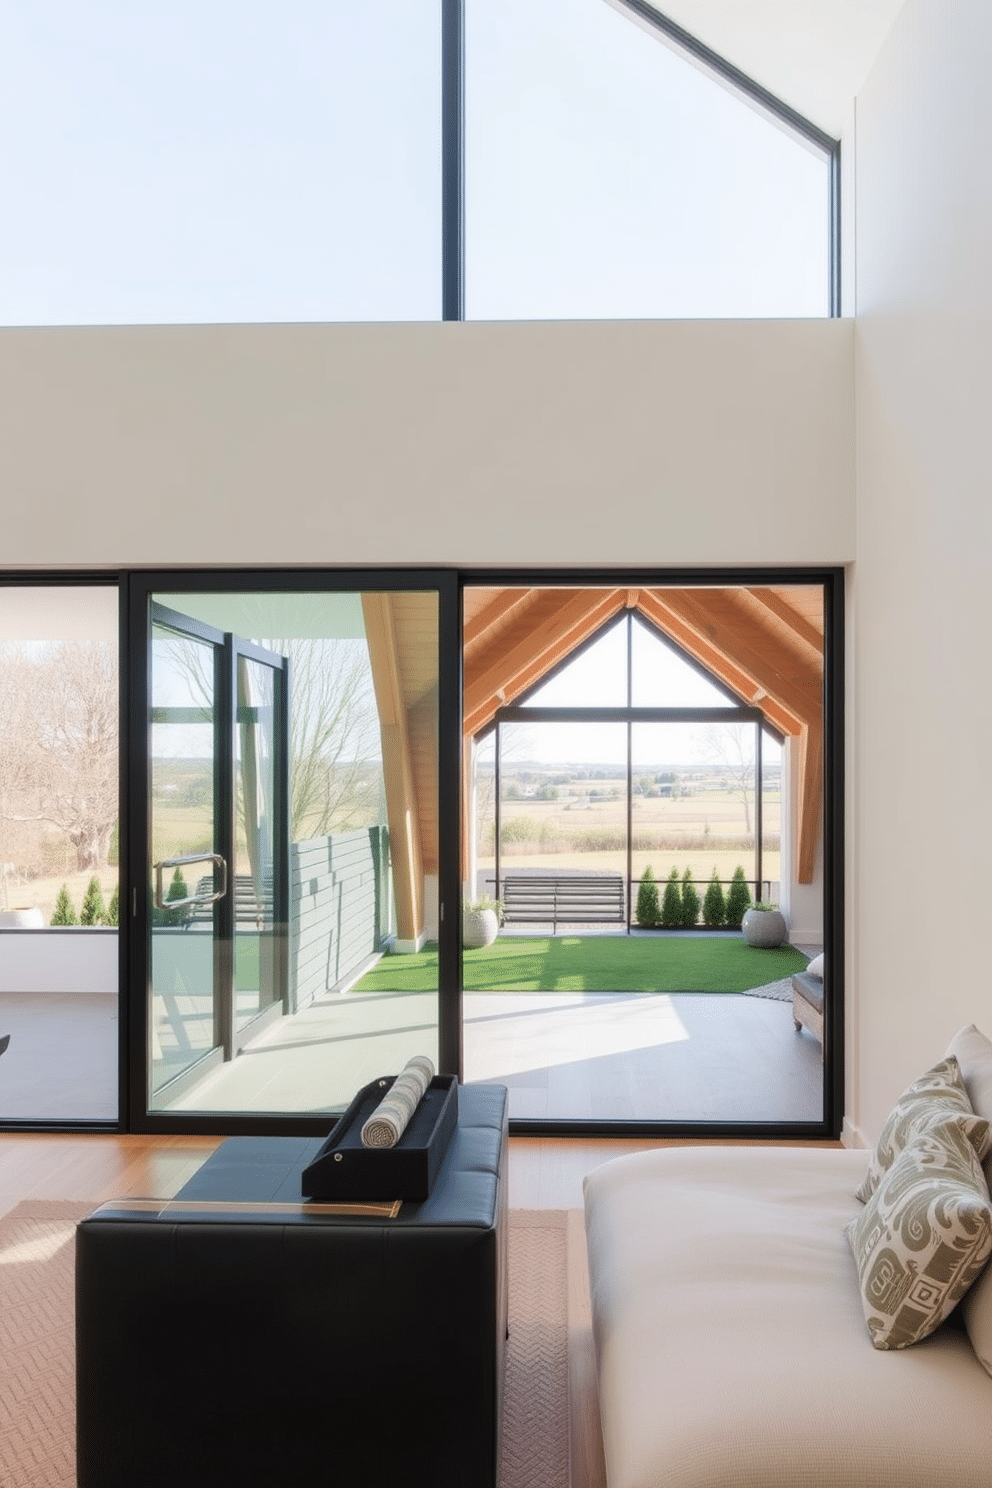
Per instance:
{"type": "Point", "coordinates": [564, 1056]}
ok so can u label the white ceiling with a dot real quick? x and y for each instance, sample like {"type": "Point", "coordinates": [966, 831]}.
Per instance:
{"type": "Point", "coordinates": [812, 54]}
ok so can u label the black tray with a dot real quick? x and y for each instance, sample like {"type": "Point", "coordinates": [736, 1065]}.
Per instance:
{"type": "Point", "coordinates": [344, 1169]}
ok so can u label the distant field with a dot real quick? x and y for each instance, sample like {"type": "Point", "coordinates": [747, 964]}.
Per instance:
{"type": "Point", "coordinates": [704, 831]}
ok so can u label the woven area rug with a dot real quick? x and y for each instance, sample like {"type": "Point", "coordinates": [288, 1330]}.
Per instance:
{"type": "Point", "coordinates": [37, 1385]}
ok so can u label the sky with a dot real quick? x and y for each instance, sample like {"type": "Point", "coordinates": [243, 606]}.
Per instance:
{"type": "Point", "coordinates": [171, 161]}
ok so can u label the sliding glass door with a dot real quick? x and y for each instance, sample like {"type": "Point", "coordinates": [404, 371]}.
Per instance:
{"type": "Point", "coordinates": [286, 850]}
{"type": "Point", "coordinates": [216, 908]}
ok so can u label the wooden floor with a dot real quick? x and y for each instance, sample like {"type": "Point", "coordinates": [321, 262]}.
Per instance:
{"type": "Point", "coordinates": [545, 1173]}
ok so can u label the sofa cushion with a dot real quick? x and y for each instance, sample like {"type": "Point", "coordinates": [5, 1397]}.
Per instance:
{"type": "Point", "coordinates": [731, 1344]}
{"type": "Point", "coordinates": [973, 1052]}
{"type": "Point", "coordinates": [938, 1094]}
{"type": "Point", "coordinates": [923, 1237]}
{"type": "Point", "coordinates": [815, 967]}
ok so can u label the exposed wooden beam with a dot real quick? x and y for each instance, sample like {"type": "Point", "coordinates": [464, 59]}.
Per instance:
{"type": "Point", "coordinates": [810, 800]}
{"type": "Point", "coordinates": [498, 610]}
{"type": "Point", "coordinates": [715, 618]}
{"type": "Point", "coordinates": [798, 624]}
{"type": "Point", "coordinates": [397, 767]}
{"type": "Point", "coordinates": [511, 672]}
{"type": "Point", "coordinates": [663, 617]}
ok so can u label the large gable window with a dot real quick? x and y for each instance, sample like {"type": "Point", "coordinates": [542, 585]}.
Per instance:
{"type": "Point", "coordinates": [202, 161]}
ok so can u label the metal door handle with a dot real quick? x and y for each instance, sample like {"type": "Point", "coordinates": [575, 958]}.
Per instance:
{"type": "Point", "coordinates": [219, 862]}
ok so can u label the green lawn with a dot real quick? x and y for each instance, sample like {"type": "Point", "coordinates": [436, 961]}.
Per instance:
{"type": "Point", "coordinates": [596, 963]}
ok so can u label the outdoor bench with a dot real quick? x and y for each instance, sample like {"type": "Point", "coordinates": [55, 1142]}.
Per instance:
{"type": "Point", "coordinates": [540, 898]}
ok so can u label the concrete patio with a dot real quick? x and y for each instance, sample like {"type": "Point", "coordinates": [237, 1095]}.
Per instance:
{"type": "Point", "coordinates": [594, 1056]}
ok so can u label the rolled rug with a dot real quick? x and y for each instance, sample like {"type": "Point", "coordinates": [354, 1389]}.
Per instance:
{"type": "Point", "coordinates": [389, 1120]}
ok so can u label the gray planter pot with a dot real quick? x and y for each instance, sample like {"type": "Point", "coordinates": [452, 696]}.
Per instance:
{"type": "Point", "coordinates": [764, 927]}
{"type": "Point", "coordinates": [480, 928]}
{"type": "Point", "coordinates": [21, 919]}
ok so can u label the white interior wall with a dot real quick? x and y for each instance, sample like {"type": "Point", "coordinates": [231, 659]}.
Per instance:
{"type": "Point", "coordinates": [472, 444]}
{"type": "Point", "coordinates": [919, 929]}
{"type": "Point", "coordinates": [629, 445]}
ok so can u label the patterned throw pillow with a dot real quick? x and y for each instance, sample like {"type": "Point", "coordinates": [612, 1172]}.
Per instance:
{"type": "Point", "coordinates": [973, 1051]}
{"type": "Point", "coordinates": [924, 1236]}
{"type": "Point", "coordinates": [938, 1094]}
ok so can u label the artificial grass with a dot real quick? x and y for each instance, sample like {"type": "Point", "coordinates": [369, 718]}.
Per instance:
{"type": "Point", "coordinates": [596, 963]}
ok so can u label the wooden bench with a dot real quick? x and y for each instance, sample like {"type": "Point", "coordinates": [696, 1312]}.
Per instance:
{"type": "Point", "coordinates": [539, 899]}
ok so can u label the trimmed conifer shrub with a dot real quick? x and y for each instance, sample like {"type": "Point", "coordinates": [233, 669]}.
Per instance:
{"type": "Point", "coordinates": [714, 903]}
{"type": "Point", "coordinates": [671, 903]}
{"type": "Point", "coordinates": [690, 900]}
{"type": "Point", "coordinates": [738, 899]}
{"type": "Point", "coordinates": [64, 914]}
{"type": "Point", "coordinates": [648, 911]}
{"type": "Point", "coordinates": [94, 911]}
{"type": "Point", "coordinates": [114, 907]}
{"type": "Point", "coordinates": [177, 890]}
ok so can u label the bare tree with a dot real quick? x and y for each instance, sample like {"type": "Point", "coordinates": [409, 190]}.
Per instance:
{"type": "Point", "coordinates": [60, 732]}
{"type": "Point", "coordinates": [336, 773]}
{"type": "Point", "coordinates": [334, 748]}
{"type": "Point", "coordinates": [730, 746]}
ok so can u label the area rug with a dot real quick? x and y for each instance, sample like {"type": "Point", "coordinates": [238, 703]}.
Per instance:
{"type": "Point", "coordinates": [37, 1384]}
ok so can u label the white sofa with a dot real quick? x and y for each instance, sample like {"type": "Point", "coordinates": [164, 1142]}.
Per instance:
{"type": "Point", "coordinates": [731, 1342]}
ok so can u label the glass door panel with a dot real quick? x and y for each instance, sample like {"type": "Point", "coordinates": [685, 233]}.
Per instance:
{"type": "Point", "coordinates": [323, 712]}
{"type": "Point", "coordinates": [185, 870]}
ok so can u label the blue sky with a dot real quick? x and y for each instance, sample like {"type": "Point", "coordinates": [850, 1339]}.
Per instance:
{"type": "Point", "coordinates": [243, 160]}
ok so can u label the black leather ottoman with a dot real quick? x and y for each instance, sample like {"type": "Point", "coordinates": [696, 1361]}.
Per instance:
{"type": "Point", "coordinates": [222, 1339]}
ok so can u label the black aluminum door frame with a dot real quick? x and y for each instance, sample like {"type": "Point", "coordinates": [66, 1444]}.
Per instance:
{"type": "Point", "coordinates": [137, 589]}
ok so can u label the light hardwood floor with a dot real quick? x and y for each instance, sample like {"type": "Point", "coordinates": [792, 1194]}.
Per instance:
{"type": "Point", "coordinates": [545, 1172]}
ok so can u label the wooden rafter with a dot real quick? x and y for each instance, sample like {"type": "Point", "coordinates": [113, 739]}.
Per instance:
{"type": "Point", "coordinates": [716, 661]}
{"type": "Point", "coordinates": [716, 618]}
{"type": "Point", "coordinates": [397, 767]}
{"type": "Point", "coordinates": [798, 624]}
{"type": "Point", "coordinates": [494, 614]}
{"type": "Point", "coordinates": [575, 616]}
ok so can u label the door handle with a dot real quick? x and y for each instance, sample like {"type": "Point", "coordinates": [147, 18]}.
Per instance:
{"type": "Point", "coordinates": [220, 864]}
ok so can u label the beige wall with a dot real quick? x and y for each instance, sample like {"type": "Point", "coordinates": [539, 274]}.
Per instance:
{"type": "Point", "coordinates": [575, 443]}
{"type": "Point", "coordinates": [923, 700]}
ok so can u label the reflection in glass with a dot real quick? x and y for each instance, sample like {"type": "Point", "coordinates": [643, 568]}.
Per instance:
{"type": "Point", "coordinates": [353, 756]}
{"type": "Point", "coordinates": [59, 852]}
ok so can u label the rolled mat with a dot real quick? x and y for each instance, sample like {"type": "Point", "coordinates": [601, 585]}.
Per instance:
{"type": "Point", "coordinates": [389, 1120]}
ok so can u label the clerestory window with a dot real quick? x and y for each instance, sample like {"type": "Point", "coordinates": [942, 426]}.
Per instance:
{"type": "Point", "coordinates": [207, 161]}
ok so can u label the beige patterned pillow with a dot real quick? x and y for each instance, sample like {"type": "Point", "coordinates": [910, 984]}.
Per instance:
{"type": "Point", "coordinates": [936, 1095]}
{"type": "Point", "coordinates": [973, 1051]}
{"type": "Point", "coordinates": [924, 1236]}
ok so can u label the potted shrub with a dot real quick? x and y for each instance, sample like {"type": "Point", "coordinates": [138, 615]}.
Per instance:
{"type": "Point", "coordinates": [480, 922]}
{"type": "Point", "coordinates": [764, 925]}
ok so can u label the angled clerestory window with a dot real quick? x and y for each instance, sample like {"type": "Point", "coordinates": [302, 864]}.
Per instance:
{"type": "Point", "coordinates": [607, 176]}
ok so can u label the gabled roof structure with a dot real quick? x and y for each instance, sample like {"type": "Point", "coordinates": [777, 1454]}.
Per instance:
{"type": "Point", "coordinates": [764, 643]}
